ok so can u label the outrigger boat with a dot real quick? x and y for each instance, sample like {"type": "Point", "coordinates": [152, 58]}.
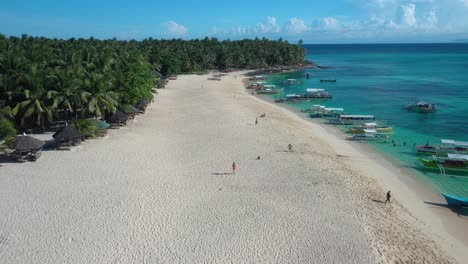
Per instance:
{"type": "Point", "coordinates": [326, 112]}
{"type": "Point", "coordinates": [421, 107]}
{"type": "Point", "coordinates": [369, 135]}
{"type": "Point", "coordinates": [314, 108]}
{"type": "Point", "coordinates": [289, 81]}
{"type": "Point", "coordinates": [447, 146]}
{"type": "Point", "coordinates": [456, 162]}
{"type": "Point", "coordinates": [380, 128]}
{"type": "Point", "coordinates": [256, 85]}
{"type": "Point", "coordinates": [257, 78]}
{"type": "Point", "coordinates": [269, 89]}
{"type": "Point", "coordinates": [327, 80]}
{"type": "Point", "coordinates": [351, 119]}
{"type": "Point", "coordinates": [453, 200]}
{"type": "Point", "coordinates": [317, 93]}
{"type": "Point", "coordinates": [292, 98]}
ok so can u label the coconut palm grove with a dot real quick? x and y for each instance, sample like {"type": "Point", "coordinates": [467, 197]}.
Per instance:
{"type": "Point", "coordinates": [45, 80]}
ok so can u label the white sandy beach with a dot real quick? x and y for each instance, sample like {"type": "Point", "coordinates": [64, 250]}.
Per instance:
{"type": "Point", "coordinates": [161, 191]}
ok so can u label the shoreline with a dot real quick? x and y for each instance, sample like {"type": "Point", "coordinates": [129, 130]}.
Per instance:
{"type": "Point", "coordinates": [418, 196]}
{"type": "Point", "coordinates": [161, 190]}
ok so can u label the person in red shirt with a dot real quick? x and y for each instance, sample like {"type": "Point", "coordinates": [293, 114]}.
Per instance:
{"type": "Point", "coordinates": [233, 168]}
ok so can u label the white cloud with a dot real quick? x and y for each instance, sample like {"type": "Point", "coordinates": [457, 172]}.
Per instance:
{"type": "Point", "coordinates": [330, 23]}
{"type": "Point", "coordinates": [175, 29]}
{"type": "Point", "coordinates": [430, 19]}
{"type": "Point", "coordinates": [408, 14]}
{"type": "Point", "coordinates": [269, 26]}
{"type": "Point", "coordinates": [296, 26]}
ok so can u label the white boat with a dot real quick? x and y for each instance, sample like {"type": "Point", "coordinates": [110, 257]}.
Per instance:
{"type": "Point", "coordinates": [267, 90]}
{"type": "Point", "coordinates": [289, 81]}
{"type": "Point", "coordinates": [421, 107]}
{"type": "Point", "coordinates": [292, 98]}
{"type": "Point", "coordinates": [369, 135]}
{"type": "Point", "coordinates": [317, 93]}
{"type": "Point", "coordinates": [326, 112]}
{"type": "Point", "coordinates": [378, 126]}
{"type": "Point", "coordinates": [257, 78]}
{"type": "Point", "coordinates": [446, 146]}
{"type": "Point", "coordinates": [351, 119]}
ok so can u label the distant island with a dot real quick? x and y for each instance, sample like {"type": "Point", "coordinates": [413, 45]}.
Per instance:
{"type": "Point", "coordinates": [460, 41]}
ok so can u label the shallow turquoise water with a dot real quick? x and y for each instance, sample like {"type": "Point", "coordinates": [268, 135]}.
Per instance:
{"type": "Point", "coordinates": [381, 80]}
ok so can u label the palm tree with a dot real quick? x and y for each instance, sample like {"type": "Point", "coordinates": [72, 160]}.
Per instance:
{"type": "Point", "coordinates": [100, 100]}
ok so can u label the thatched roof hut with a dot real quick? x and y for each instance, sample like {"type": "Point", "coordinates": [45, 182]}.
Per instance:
{"type": "Point", "coordinates": [25, 144]}
{"type": "Point", "coordinates": [102, 125]}
{"type": "Point", "coordinates": [142, 105]}
{"type": "Point", "coordinates": [69, 133]}
{"type": "Point", "coordinates": [67, 136]}
{"type": "Point", "coordinates": [130, 109]}
{"type": "Point", "coordinates": [158, 74]}
{"type": "Point", "coordinates": [26, 148]}
{"type": "Point", "coordinates": [117, 118]}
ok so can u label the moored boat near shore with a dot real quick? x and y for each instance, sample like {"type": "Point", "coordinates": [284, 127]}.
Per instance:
{"type": "Point", "coordinates": [453, 200]}
{"type": "Point", "coordinates": [289, 81]}
{"type": "Point", "coordinates": [351, 119]}
{"type": "Point", "coordinates": [257, 78]}
{"type": "Point", "coordinates": [269, 90]}
{"type": "Point", "coordinates": [326, 112]}
{"type": "Point", "coordinates": [446, 146]}
{"type": "Point", "coordinates": [369, 135]}
{"type": "Point", "coordinates": [453, 162]}
{"type": "Point", "coordinates": [360, 128]}
{"type": "Point", "coordinates": [292, 98]}
{"type": "Point", "coordinates": [317, 93]}
{"type": "Point", "coordinates": [327, 80]}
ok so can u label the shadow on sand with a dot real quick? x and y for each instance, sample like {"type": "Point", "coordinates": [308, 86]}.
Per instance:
{"type": "Point", "coordinates": [377, 201]}
{"type": "Point", "coordinates": [461, 211]}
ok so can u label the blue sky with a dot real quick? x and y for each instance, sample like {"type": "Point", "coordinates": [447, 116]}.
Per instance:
{"type": "Point", "coordinates": [324, 21]}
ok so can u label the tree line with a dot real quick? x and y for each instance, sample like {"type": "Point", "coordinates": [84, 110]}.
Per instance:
{"type": "Point", "coordinates": [44, 80]}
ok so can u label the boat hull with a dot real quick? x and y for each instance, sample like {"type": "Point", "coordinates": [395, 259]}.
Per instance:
{"type": "Point", "coordinates": [418, 109]}
{"type": "Point", "coordinates": [379, 130]}
{"type": "Point", "coordinates": [455, 200]}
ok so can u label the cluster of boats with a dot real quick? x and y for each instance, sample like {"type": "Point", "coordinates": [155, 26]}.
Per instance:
{"type": "Point", "coordinates": [361, 127]}
{"type": "Point", "coordinates": [449, 155]}
{"type": "Point", "coordinates": [311, 93]}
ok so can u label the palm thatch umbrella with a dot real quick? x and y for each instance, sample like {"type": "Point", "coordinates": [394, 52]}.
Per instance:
{"type": "Point", "coordinates": [26, 148]}
{"type": "Point", "coordinates": [130, 110]}
{"type": "Point", "coordinates": [142, 105]}
{"type": "Point", "coordinates": [67, 135]}
{"type": "Point", "coordinates": [26, 143]}
{"type": "Point", "coordinates": [118, 118]}
{"type": "Point", "coordinates": [100, 124]}
{"type": "Point", "coordinates": [103, 126]}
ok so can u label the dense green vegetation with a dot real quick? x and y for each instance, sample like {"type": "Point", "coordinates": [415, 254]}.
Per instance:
{"type": "Point", "coordinates": [44, 80]}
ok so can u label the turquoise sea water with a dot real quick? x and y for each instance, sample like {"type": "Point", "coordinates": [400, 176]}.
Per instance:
{"type": "Point", "coordinates": [381, 80]}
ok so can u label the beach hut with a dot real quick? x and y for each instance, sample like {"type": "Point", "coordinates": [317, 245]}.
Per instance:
{"type": "Point", "coordinates": [103, 126]}
{"type": "Point", "coordinates": [26, 148]}
{"type": "Point", "coordinates": [130, 110]}
{"type": "Point", "coordinates": [67, 136]}
{"type": "Point", "coordinates": [157, 74]}
{"type": "Point", "coordinates": [117, 119]}
{"type": "Point", "coordinates": [142, 105]}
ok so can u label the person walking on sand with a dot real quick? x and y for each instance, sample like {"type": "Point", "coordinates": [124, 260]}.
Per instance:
{"type": "Point", "coordinates": [290, 147]}
{"type": "Point", "coordinates": [233, 168]}
{"type": "Point", "coordinates": [256, 121]}
{"type": "Point", "coordinates": [388, 197]}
